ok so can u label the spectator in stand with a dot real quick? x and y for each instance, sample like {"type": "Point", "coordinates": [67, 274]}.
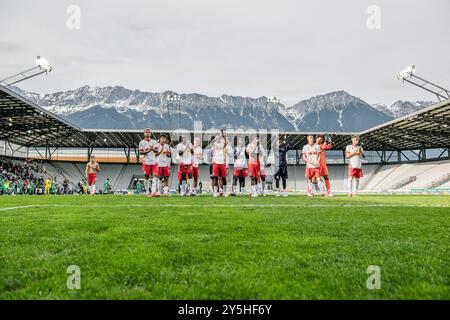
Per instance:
{"type": "Point", "coordinates": [22, 178]}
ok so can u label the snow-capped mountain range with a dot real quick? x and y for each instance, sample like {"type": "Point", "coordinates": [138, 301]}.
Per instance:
{"type": "Point", "coordinates": [335, 111]}
{"type": "Point", "coordinates": [120, 108]}
{"type": "Point", "coordinates": [402, 108]}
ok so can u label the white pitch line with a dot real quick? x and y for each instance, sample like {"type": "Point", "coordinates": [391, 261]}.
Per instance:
{"type": "Point", "coordinates": [228, 205]}
{"type": "Point", "coordinates": [18, 207]}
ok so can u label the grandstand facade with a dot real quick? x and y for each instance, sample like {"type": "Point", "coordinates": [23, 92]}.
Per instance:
{"type": "Point", "coordinates": [408, 154]}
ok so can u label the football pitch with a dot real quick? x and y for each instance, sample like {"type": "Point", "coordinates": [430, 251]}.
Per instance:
{"type": "Point", "coordinates": [134, 247]}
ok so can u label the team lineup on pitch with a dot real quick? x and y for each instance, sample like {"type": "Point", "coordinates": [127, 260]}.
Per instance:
{"type": "Point", "coordinates": [248, 160]}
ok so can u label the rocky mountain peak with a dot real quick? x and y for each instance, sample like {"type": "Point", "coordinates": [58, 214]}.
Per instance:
{"type": "Point", "coordinates": [119, 107]}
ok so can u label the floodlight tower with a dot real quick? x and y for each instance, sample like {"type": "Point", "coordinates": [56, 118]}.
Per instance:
{"type": "Point", "coordinates": [271, 99]}
{"type": "Point", "coordinates": [174, 98]}
{"type": "Point", "coordinates": [42, 66]}
{"type": "Point", "coordinates": [408, 75]}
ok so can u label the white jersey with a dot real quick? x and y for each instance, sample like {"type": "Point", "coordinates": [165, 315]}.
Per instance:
{"type": "Point", "coordinates": [163, 159]}
{"type": "Point", "coordinates": [221, 153]}
{"type": "Point", "coordinates": [312, 153]}
{"type": "Point", "coordinates": [229, 157]}
{"type": "Point", "coordinates": [270, 163]}
{"type": "Point", "coordinates": [271, 158]}
{"type": "Point", "coordinates": [208, 155]}
{"type": "Point", "coordinates": [241, 159]}
{"type": "Point", "coordinates": [198, 156]}
{"type": "Point", "coordinates": [255, 152]}
{"type": "Point", "coordinates": [146, 145]}
{"type": "Point", "coordinates": [262, 162]}
{"type": "Point", "coordinates": [355, 161]}
{"type": "Point", "coordinates": [184, 153]}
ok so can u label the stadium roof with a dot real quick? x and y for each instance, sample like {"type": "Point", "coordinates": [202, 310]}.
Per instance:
{"type": "Point", "coordinates": [426, 128]}
{"type": "Point", "coordinates": [25, 123]}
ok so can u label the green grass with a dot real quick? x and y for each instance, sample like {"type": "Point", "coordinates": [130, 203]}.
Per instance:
{"type": "Point", "coordinates": [233, 248]}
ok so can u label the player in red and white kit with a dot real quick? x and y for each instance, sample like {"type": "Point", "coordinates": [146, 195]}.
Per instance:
{"type": "Point", "coordinates": [255, 153]}
{"type": "Point", "coordinates": [92, 167]}
{"type": "Point", "coordinates": [261, 186]}
{"type": "Point", "coordinates": [240, 167]}
{"type": "Point", "coordinates": [221, 151]}
{"type": "Point", "coordinates": [311, 156]}
{"type": "Point", "coordinates": [323, 169]}
{"type": "Point", "coordinates": [196, 161]}
{"type": "Point", "coordinates": [185, 150]}
{"type": "Point", "coordinates": [163, 160]}
{"type": "Point", "coordinates": [148, 147]}
{"type": "Point", "coordinates": [209, 159]}
{"type": "Point", "coordinates": [354, 152]}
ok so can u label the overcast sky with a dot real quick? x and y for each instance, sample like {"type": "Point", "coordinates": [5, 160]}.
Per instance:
{"type": "Point", "coordinates": [289, 48]}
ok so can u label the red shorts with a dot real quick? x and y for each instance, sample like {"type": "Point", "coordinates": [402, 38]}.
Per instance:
{"type": "Point", "coordinates": [254, 170]}
{"type": "Point", "coordinates": [150, 169]}
{"type": "Point", "coordinates": [323, 171]}
{"type": "Point", "coordinates": [184, 169]}
{"type": "Point", "coordinates": [240, 172]}
{"type": "Point", "coordinates": [310, 173]}
{"type": "Point", "coordinates": [163, 171]}
{"type": "Point", "coordinates": [92, 177]}
{"type": "Point", "coordinates": [355, 172]}
{"type": "Point", "coordinates": [219, 170]}
{"type": "Point", "coordinates": [195, 172]}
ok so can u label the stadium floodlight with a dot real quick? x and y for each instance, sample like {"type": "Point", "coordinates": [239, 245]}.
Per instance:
{"type": "Point", "coordinates": [173, 97]}
{"type": "Point", "coordinates": [42, 66]}
{"type": "Point", "coordinates": [273, 99]}
{"type": "Point", "coordinates": [408, 72]}
{"type": "Point", "coordinates": [409, 75]}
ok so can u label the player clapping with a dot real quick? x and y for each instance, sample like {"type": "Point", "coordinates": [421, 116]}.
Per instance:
{"type": "Point", "coordinates": [221, 151]}
{"type": "Point", "coordinates": [163, 160]}
{"type": "Point", "coordinates": [261, 185]}
{"type": "Point", "coordinates": [240, 167]}
{"type": "Point", "coordinates": [354, 152]}
{"type": "Point", "coordinates": [148, 147]}
{"type": "Point", "coordinates": [209, 154]}
{"type": "Point", "coordinates": [323, 169]}
{"type": "Point", "coordinates": [281, 166]}
{"type": "Point", "coordinates": [197, 160]}
{"type": "Point", "coordinates": [185, 150]}
{"type": "Point", "coordinates": [311, 156]}
{"type": "Point", "coordinates": [254, 151]}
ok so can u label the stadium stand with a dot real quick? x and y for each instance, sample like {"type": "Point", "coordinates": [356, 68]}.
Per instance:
{"type": "Point", "coordinates": [428, 175]}
{"type": "Point", "coordinates": [29, 177]}
{"type": "Point", "coordinates": [446, 185]}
